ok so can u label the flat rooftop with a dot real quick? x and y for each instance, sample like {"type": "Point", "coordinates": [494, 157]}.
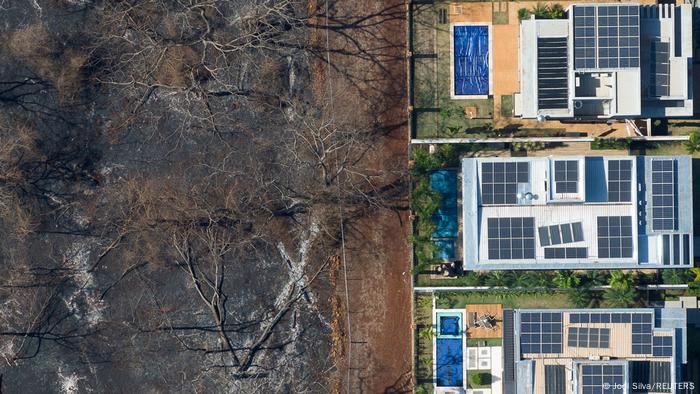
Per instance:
{"type": "Point", "coordinates": [607, 61]}
{"type": "Point", "coordinates": [593, 351]}
{"type": "Point", "coordinates": [577, 212]}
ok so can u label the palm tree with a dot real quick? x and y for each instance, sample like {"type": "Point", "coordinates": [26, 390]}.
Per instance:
{"type": "Point", "coordinates": [596, 278]}
{"type": "Point", "coordinates": [541, 11]}
{"type": "Point", "coordinates": [499, 278]}
{"type": "Point", "coordinates": [556, 11]}
{"type": "Point", "coordinates": [566, 279]}
{"type": "Point", "coordinates": [677, 276]}
{"type": "Point", "coordinates": [621, 280]}
{"type": "Point", "coordinates": [541, 279]}
{"type": "Point", "coordinates": [581, 298]}
{"type": "Point", "coordinates": [621, 297]}
{"type": "Point", "coordinates": [692, 144]}
{"type": "Point", "coordinates": [473, 278]}
{"type": "Point", "coordinates": [530, 279]}
{"type": "Point", "coordinates": [426, 333]}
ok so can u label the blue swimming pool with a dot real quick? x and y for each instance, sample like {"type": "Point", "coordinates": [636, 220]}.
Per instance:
{"type": "Point", "coordinates": [445, 249]}
{"type": "Point", "coordinates": [471, 60]}
{"type": "Point", "coordinates": [445, 218]}
{"type": "Point", "coordinates": [449, 362]}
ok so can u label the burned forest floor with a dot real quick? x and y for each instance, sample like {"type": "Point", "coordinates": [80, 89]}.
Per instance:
{"type": "Point", "coordinates": [204, 196]}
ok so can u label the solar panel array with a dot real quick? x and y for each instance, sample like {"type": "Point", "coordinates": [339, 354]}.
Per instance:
{"type": "Point", "coordinates": [641, 333]}
{"type": "Point", "coordinates": [566, 176]}
{"type": "Point", "coordinates": [555, 381]}
{"type": "Point", "coordinates": [565, 253]}
{"type": "Point", "coordinates": [599, 379]}
{"type": "Point", "coordinates": [499, 181]}
{"type": "Point", "coordinates": [541, 332]}
{"type": "Point", "coordinates": [619, 180]}
{"type": "Point", "coordinates": [589, 337]}
{"type": "Point", "coordinates": [659, 68]}
{"type": "Point", "coordinates": [560, 233]}
{"type": "Point", "coordinates": [662, 346]}
{"type": "Point", "coordinates": [656, 374]}
{"type": "Point", "coordinates": [552, 73]}
{"type": "Point", "coordinates": [615, 237]}
{"type": "Point", "coordinates": [584, 37]}
{"type": "Point", "coordinates": [606, 36]}
{"type": "Point", "coordinates": [663, 195]}
{"type": "Point", "coordinates": [605, 317]}
{"type": "Point", "coordinates": [511, 238]}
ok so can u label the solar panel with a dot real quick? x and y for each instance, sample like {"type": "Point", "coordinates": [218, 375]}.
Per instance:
{"type": "Point", "coordinates": [566, 176]}
{"type": "Point", "coordinates": [598, 379]}
{"type": "Point", "coordinates": [499, 181]}
{"type": "Point", "coordinates": [541, 332]}
{"type": "Point", "coordinates": [511, 238]}
{"type": "Point", "coordinates": [615, 237]}
{"type": "Point", "coordinates": [508, 352]}
{"type": "Point", "coordinates": [575, 318]}
{"type": "Point", "coordinates": [586, 337]}
{"type": "Point", "coordinates": [560, 233]}
{"type": "Point", "coordinates": [552, 73]}
{"type": "Point", "coordinates": [618, 36]}
{"type": "Point", "coordinates": [659, 68]}
{"type": "Point", "coordinates": [565, 253]}
{"type": "Point", "coordinates": [584, 37]}
{"type": "Point", "coordinates": [662, 346]}
{"type": "Point", "coordinates": [619, 180]}
{"type": "Point", "coordinates": [555, 379]}
{"type": "Point", "coordinates": [663, 195]}
{"type": "Point", "coordinates": [656, 374]}
{"type": "Point", "coordinates": [641, 333]}
{"type": "Point", "coordinates": [606, 36]}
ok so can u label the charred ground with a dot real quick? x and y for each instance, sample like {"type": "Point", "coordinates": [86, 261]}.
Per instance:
{"type": "Point", "coordinates": [173, 178]}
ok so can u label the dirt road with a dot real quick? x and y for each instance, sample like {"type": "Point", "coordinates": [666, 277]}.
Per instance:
{"type": "Point", "coordinates": [369, 73]}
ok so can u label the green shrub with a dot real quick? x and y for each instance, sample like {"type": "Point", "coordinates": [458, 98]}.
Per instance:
{"type": "Point", "coordinates": [621, 280]}
{"type": "Point", "coordinates": [527, 146]}
{"type": "Point", "coordinates": [542, 11]}
{"type": "Point", "coordinates": [423, 162]}
{"type": "Point", "coordinates": [611, 143]}
{"type": "Point", "coordinates": [677, 276]}
{"type": "Point", "coordinates": [692, 145]}
{"type": "Point", "coordinates": [480, 379]}
{"type": "Point", "coordinates": [566, 279]}
{"type": "Point", "coordinates": [621, 297]}
{"type": "Point", "coordinates": [556, 11]}
{"type": "Point", "coordinates": [523, 14]}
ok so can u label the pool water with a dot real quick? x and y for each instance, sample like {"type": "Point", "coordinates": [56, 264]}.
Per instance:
{"type": "Point", "coordinates": [449, 361]}
{"type": "Point", "coordinates": [449, 325]}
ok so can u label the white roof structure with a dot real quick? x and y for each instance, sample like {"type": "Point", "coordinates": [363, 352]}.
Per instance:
{"type": "Point", "coordinates": [607, 61]}
{"type": "Point", "coordinates": [576, 212]}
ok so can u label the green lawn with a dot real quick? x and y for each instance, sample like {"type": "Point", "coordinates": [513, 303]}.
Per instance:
{"type": "Point", "coordinates": [507, 105]}
{"type": "Point", "coordinates": [436, 114]}
{"type": "Point", "coordinates": [475, 342]}
{"type": "Point", "coordinates": [506, 298]}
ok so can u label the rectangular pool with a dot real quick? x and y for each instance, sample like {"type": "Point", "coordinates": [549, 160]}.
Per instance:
{"type": "Point", "coordinates": [449, 362]}
{"type": "Point", "coordinates": [445, 218]}
{"type": "Point", "coordinates": [471, 60]}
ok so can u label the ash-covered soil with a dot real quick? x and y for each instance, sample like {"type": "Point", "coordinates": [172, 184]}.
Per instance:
{"type": "Point", "coordinates": [173, 179]}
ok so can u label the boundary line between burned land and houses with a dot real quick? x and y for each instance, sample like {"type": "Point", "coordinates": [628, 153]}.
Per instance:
{"type": "Point", "coordinates": [419, 141]}
{"type": "Point", "coordinates": [439, 289]}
